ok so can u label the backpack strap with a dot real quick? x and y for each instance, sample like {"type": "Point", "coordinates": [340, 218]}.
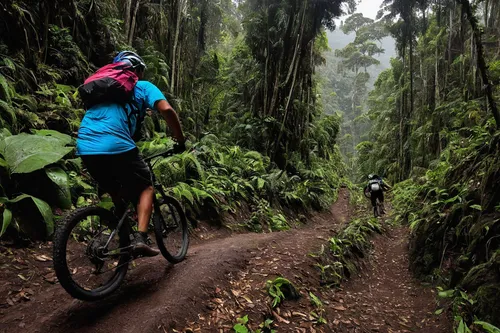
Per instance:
{"type": "Point", "coordinates": [134, 111]}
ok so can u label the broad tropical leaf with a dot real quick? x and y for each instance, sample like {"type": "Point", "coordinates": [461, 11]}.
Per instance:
{"type": "Point", "coordinates": [64, 138]}
{"type": "Point", "coordinates": [61, 180]}
{"type": "Point", "coordinates": [43, 208]}
{"type": "Point", "coordinates": [7, 218]}
{"type": "Point", "coordinates": [487, 326]}
{"type": "Point", "coordinates": [26, 153]}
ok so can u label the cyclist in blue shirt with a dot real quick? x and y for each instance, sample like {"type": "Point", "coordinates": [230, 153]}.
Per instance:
{"type": "Point", "coordinates": [111, 156]}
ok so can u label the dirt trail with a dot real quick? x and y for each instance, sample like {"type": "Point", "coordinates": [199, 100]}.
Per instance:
{"type": "Point", "coordinates": [223, 279]}
{"type": "Point", "coordinates": [386, 297]}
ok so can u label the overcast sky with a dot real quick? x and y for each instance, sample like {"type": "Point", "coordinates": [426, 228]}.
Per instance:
{"type": "Point", "coordinates": [369, 8]}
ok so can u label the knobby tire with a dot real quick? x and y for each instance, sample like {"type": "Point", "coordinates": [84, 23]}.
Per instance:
{"type": "Point", "coordinates": [173, 204]}
{"type": "Point", "coordinates": [63, 233]}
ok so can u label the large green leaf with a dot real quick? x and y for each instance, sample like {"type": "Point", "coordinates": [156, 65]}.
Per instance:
{"type": "Point", "coordinates": [487, 326]}
{"type": "Point", "coordinates": [61, 180]}
{"type": "Point", "coordinates": [7, 218]}
{"type": "Point", "coordinates": [26, 153]}
{"type": "Point", "coordinates": [3, 134]}
{"type": "Point", "coordinates": [240, 328]}
{"type": "Point", "coordinates": [5, 91]}
{"type": "Point", "coordinates": [43, 208]}
{"type": "Point", "coordinates": [64, 138]}
{"type": "Point", "coordinates": [7, 112]}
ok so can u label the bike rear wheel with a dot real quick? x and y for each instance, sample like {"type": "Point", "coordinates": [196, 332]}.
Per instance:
{"type": "Point", "coordinates": [88, 258]}
{"type": "Point", "coordinates": [171, 229]}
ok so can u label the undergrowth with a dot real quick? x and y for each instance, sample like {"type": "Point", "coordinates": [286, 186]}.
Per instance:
{"type": "Point", "coordinates": [454, 217]}
{"type": "Point", "coordinates": [340, 258]}
{"type": "Point", "coordinates": [214, 178]}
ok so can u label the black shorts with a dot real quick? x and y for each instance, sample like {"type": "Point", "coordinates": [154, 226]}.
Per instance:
{"type": "Point", "coordinates": [125, 174]}
{"type": "Point", "coordinates": [377, 194]}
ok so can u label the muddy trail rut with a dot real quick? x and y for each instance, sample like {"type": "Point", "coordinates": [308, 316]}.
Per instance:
{"type": "Point", "coordinates": [224, 279]}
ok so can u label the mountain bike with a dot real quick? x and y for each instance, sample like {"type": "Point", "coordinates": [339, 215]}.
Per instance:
{"type": "Point", "coordinates": [378, 210]}
{"type": "Point", "coordinates": [92, 245]}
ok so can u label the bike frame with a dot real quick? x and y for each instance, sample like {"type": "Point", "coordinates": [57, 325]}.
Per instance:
{"type": "Point", "coordinates": [157, 187]}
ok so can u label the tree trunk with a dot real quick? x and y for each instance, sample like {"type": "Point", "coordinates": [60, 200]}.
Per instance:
{"type": "Point", "coordinates": [46, 33]}
{"type": "Point", "coordinates": [132, 25]}
{"type": "Point", "coordinates": [293, 66]}
{"type": "Point", "coordinates": [290, 95]}
{"type": "Point", "coordinates": [480, 60]}
{"type": "Point", "coordinates": [203, 24]}
{"type": "Point", "coordinates": [450, 42]}
{"type": "Point", "coordinates": [266, 66]}
{"type": "Point", "coordinates": [486, 16]}
{"type": "Point", "coordinates": [424, 20]}
{"type": "Point", "coordinates": [402, 118]}
{"type": "Point", "coordinates": [275, 91]}
{"type": "Point", "coordinates": [298, 43]}
{"type": "Point", "coordinates": [126, 23]}
{"type": "Point", "coordinates": [180, 8]}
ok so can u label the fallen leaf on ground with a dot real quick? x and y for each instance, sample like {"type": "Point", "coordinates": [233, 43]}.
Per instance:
{"type": "Point", "coordinates": [51, 278]}
{"type": "Point", "coordinates": [43, 258]}
{"type": "Point", "coordinates": [280, 319]}
{"type": "Point", "coordinates": [295, 313]}
{"type": "Point", "coordinates": [247, 299]}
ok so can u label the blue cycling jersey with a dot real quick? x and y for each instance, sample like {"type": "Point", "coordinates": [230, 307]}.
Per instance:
{"type": "Point", "coordinates": [105, 128]}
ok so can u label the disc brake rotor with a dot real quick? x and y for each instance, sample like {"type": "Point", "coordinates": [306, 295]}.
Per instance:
{"type": "Point", "coordinates": [95, 251]}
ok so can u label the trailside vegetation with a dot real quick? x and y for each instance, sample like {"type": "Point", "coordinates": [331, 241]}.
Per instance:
{"type": "Point", "coordinates": [435, 131]}
{"type": "Point", "coordinates": [342, 256]}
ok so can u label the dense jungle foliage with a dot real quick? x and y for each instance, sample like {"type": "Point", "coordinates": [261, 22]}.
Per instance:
{"type": "Point", "coordinates": [240, 75]}
{"type": "Point", "coordinates": [435, 122]}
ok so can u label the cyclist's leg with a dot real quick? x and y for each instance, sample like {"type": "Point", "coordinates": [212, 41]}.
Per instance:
{"type": "Point", "coordinates": [103, 169]}
{"type": "Point", "coordinates": [373, 198]}
{"type": "Point", "coordinates": [126, 176]}
{"type": "Point", "coordinates": [145, 208]}
{"type": "Point", "coordinates": [136, 179]}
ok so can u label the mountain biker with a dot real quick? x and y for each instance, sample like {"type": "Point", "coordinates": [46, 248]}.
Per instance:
{"type": "Point", "coordinates": [376, 187]}
{"type": "Point", "coordinates": [111, 156]}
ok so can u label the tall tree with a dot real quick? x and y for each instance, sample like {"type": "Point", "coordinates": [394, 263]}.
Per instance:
{"type": "Point", "coordinates": [480, 59]}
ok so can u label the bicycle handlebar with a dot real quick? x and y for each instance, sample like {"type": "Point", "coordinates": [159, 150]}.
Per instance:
{"type": "Point", "coordinates": [167, 153]}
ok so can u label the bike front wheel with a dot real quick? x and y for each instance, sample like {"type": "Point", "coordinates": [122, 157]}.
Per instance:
{"type": "Point", "coordinates": [171, 229]}
{"type": "Point", "coordinates": [91, 257]}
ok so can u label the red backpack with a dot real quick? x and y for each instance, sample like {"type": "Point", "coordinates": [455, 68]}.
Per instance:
{"type": "Point", "coordinates": [113, 83]}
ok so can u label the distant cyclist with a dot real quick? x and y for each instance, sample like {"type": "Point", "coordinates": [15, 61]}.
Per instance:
{"type": "Point", "coordinates": [375, 190]}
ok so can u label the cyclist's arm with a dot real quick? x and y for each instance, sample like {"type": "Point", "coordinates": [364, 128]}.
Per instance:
{"type": "Point", "coordinates": [170, 116]}
{"type": "Point", "coordinates": [365, 190]}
